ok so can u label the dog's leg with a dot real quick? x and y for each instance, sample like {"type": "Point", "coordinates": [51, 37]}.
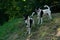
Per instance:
{"type": "Point", "coordinates": [33, 22]}
{"type": "Point", "coordinates": [38, 18]}
{"type": "Point", "coordinates": [41, 20]}
{"type": "Point", "coordinates": [29, 30]}
{"type": "Point", "coordinates": [50, 16]}
{"type": "Point", "coordinates": [28, 27]}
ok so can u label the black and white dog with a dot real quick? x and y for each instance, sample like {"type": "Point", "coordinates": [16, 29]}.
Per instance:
{"type": "Point", "coordinates": [41, 12]}
{"type": "Point", "coordinates": [28, 21]}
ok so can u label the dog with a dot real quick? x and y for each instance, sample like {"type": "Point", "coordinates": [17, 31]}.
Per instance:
{"type": "Point", "coordinates": [28, 21]}
{"type": "Point", "coordinates": [41, 12]}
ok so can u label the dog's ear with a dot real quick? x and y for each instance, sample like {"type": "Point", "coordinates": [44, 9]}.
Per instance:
{"type": "Point", "coordinates": [25, 16]}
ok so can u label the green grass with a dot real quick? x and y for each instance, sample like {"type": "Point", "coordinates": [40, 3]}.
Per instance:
{"type": "Point", "coordinates": [40, 32]}
{"type": "Point", "coordinates": [10, 27]}
{"type": "Point", "coordinates": [47, 30]}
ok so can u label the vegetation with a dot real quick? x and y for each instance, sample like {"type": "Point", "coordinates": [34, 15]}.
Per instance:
{"type": "Point", "coordinates": [15, 29]}
{"type": "Point", "coordinates": [12, 25]}
{"type": "Point", "coordinates": [16, 8]}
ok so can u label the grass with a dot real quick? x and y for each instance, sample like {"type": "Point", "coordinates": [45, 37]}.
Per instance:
{"type": "Point", "coordinates": [9, 28]}
{"type": "Point", "coordinates": [47, 30]}
{"type": "Point", "coordinates": [15, 29]}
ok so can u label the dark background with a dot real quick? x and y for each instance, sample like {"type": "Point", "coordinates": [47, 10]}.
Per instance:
{"type": "Point", "coordinates": [10, 9]}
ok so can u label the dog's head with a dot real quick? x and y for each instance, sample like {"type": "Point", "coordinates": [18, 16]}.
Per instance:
{"type": "Point", "coordinates": [25, 16]}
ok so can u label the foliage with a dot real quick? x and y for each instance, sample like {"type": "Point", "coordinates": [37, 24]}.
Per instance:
{"type": "Point", "coordinates": [17, 8]}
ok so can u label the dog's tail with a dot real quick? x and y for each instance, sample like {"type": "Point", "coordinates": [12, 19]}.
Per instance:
{"type": "Point", "coordinates": [47, 6]}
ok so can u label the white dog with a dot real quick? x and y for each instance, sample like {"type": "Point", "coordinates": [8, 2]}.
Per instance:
{"type": "Point", "coordinates": [28, 21]}
{"type": "Point", "coordinates": [40, 13]}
